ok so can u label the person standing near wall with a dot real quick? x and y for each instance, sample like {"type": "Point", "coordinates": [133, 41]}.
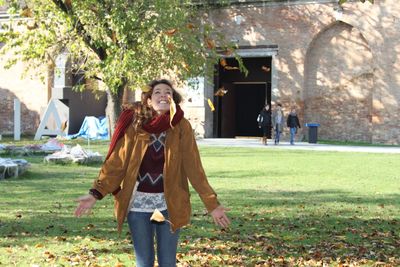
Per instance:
{"type": "Point", "coordinates": [293, 123]}
{"type": "Point", "coordinates": [277, 121]}
{"type": "Point", "coordinates": [264, 122]}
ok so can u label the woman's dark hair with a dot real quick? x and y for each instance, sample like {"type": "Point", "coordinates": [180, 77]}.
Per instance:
{"type": "Point", "coordinates": [143, 112]}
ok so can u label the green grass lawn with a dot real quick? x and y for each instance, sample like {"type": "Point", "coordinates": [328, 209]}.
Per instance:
{"type": "Point", "coordinates": [288, 208]}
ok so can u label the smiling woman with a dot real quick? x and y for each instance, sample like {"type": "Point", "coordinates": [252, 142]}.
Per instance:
{"type": "Point", "coordinates": [152, 155]}
{"type": "Point", "coordinates": [159, 100]}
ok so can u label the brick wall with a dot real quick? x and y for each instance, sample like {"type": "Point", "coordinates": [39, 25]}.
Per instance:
{"type": "Point", "coordinates": [344, 74]}
{"type": "Point", "coordinates": [338, 94]}
{"type": "Point", "coordinates": [31, 92]}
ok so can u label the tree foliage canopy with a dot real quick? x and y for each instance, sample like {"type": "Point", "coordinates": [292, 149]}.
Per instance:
{"type": "Point", "coordinates": [117, 41]}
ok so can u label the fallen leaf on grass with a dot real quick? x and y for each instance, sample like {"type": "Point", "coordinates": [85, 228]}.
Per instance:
{"type": "Point", "coordinates": [190, 26]}
{"type": "Point", "coordinates": [171, 32]}
{"type": "Point", "coordinates": [90, 226]}
{"type": "Point", "coordinates": [49, 255]}
{"type": "Point", "coordinates": [60, 238]}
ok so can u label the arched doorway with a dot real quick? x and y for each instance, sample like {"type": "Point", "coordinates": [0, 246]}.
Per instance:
{"type": "Point", "coordinates": [339, 84]}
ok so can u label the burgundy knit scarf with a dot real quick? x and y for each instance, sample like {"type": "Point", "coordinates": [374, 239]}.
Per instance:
{"type": "Point", "coordinates": [156, 125]}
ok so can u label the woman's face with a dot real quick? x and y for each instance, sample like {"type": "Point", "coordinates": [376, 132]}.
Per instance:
{"type": "Point", "coordinates": [159, 98]}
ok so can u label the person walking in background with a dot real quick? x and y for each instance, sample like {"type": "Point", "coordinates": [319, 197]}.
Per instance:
{"type": "Point", "coordinates": [277, 121]}
{"type": "Point", "coordinates": [264, 122]}
{"type": "Point", "coordinates": [293, 123]}
{"type": "Point", "coordinates": [152, 155]}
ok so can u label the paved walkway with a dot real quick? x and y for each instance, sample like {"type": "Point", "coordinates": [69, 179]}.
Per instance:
{"type": "Point", "coordinates": [253, 142]}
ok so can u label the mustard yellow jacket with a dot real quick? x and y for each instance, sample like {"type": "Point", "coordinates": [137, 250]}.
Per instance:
{"type": "Point", "coordinates": [182, 163]}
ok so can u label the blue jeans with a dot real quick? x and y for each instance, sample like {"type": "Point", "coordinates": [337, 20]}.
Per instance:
{"type": "Point", "coordinates": [143, 231]}
{"type": "Point", "coordinates": [292, 134]}
{"type": "Point", "coordinates": [277, 133]}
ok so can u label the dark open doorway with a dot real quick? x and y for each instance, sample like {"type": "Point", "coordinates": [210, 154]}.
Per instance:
{"type": "Point", "coordinates": [250, 99]}
{"type": "Point", "coordinates": [236, 111]}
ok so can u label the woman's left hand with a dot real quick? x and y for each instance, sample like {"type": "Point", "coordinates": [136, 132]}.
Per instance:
{"type": "Point", "coordinates": [220, 217]}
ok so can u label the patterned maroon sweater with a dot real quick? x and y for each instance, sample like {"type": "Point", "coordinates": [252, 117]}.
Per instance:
{"type": "Point", "coordinates": [151, 170]}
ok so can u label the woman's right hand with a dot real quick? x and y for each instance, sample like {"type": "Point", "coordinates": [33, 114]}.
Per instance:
{"type": "Point", "coordinates": [86, 203]}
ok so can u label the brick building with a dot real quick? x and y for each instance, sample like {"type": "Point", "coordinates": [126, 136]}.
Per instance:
{"type": "Point", "coordinates": [338, 67]}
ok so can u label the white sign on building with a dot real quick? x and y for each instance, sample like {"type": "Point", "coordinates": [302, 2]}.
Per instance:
{"type": "Point", "coordinates": [195, 92]}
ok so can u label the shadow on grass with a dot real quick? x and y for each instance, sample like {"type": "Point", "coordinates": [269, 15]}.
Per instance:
{"type": "Point", "coordinates": [310, 198]}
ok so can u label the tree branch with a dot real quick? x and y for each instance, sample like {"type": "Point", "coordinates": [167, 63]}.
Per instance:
{"type": "Point", "coordinates": [99, 51]}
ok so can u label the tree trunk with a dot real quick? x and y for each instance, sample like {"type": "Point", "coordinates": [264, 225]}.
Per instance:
{"type": "Point", "coordinates": [114, 106]}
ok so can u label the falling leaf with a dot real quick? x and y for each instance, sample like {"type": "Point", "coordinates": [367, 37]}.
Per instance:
{"type": "Point", "coordinates": [170, 47]}
{"type": "Point", "coordinates": [145, 88]}
{"type": "Point", "coordinates": [114, 37]}
{"type": "Point", "coordinates": [210, 43]}
{"type": "Point", "coordinates": [265, 68]}
{"type": "Point", "coordinates": [172, 111]}
{"type": "Point", "coordinates": [171, 32]}
{"type": "Point", "coordinates": [185, 66]}
{"type": "Point", "coordinates": [68, 3]}
{"type": "Point", "coordinates": [210, 104]}
{"type": "Point", "coordinates": [223, 63]}
{"type": "Point", "coordinates": [26, 12]}
{"type": "Point", "coordinates": [221, 92]}
{"type": "Point", "coordinates": [157, 216]}
{"type": "Point", "coordinates": [231, 68]}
